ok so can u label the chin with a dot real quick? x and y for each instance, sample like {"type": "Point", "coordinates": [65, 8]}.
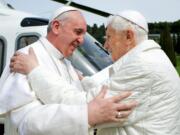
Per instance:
{"type": "Point", "coordinates": [113, 59]}
{"type": "Point", "coordinates": [70, 54]}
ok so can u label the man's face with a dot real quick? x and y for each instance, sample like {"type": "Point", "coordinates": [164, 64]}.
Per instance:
{"type": "Point", "coordinates": [71, 34]}
{"type": "Point", "coordinates": [116, 43]}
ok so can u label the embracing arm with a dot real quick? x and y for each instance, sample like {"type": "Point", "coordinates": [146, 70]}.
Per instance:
{"type": "Point", "coordinates": [53, 82]}
{"type": "Point", "coordinates": [72, 96]}
{"type": "Point", "coordinates": [37, 119]}
{"type": "Point", "coordinates": [48, 87]}
{"type": "Point", "coordinates": [136, 77]}
{"type": "Point", "coordinates": [51, 88]}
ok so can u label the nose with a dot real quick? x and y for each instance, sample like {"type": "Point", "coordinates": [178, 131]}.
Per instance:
{"type": "Point", "coordinates": [106, 46]}
{"type": "Point", "coordinates": [80, 39]}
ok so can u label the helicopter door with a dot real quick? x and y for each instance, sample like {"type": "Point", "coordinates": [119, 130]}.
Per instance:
{"type": "Point", "coordinates": [2, 54]}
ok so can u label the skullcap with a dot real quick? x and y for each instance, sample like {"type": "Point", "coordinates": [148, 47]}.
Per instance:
{"type": "Point", "coordinates": [135, 17]}
{"type": "Point", "coordinates": [62, 10]}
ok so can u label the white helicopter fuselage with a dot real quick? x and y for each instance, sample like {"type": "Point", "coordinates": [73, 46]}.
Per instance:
{"type": "Point", "coordinates": [12, 31]}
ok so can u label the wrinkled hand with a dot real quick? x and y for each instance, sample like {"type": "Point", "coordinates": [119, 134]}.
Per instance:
{"type": "Point", "coordinates": [23, 63]}
{"type": "Point", "coordinates": [104, 110]}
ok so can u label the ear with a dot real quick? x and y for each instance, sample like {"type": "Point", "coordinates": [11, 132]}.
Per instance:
{"type": "Point", "coordinates": [130, 36]}
{"type": "Point", "coordinates": [55, 25]}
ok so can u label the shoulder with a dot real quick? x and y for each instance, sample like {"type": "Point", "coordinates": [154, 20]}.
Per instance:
{"type": "Point", "coordinates": [34, 45]}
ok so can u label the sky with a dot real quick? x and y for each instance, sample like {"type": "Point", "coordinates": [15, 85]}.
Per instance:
{"type": "Point", "coordinates": [153, 10]}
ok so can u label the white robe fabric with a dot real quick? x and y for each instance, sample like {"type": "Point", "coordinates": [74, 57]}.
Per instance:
{"type": "Point", "coordinates": [28, 113]}
{"type": "Point", "coordinates": [146, 71]}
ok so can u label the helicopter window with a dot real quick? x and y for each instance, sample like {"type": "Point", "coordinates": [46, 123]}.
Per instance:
{"type": "Point", "coordinates": [1, 55]}
{"type": "Point", "coordinates": [26, 22]}
{"type": "Point", "coordinates": [90, 57]}
{"type": "Point", "coordinates": [95, 53]}
{"type": "Point", "coordinates": [26, 40]}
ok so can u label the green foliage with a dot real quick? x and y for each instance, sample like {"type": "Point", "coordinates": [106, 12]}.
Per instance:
{"type": "Point", "coordinates": [178, 44]}
{"type": "Point", "coordinates": [170, 46]}
{"type": "Point", "coordinates": [175, 27]}
{"type": "Point", "coordinates": [167, 44]}
{"type": "Point", "coordinates": [97, 32]}
{"type": "Point", "coordinates": [178, 64]}
{"type": "Point", "coordinates": [157, 27]}
{"type": "Point", "coordinates": [174, 39]}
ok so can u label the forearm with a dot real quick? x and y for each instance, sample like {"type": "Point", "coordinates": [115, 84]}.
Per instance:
{"type": "Point", "coordinates": [51, 88]}
{"type": "Point", "coordinates": [89, 83]}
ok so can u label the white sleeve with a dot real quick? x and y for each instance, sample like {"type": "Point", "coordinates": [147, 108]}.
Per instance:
{"type": "Point", "coordinates": [137, 78]}
{"type": "Point", "coordinates": [89, 83]}
{"type": "Point", "coordinates": [14, 91]}
{"type": "Point", "coordinates": [51, 119]}
{"type": "Point", "coordinates": [51, 88]}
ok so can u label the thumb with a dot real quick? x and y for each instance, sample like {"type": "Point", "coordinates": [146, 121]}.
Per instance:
{"type": "Point", "coordinates": [32, 53]}
{"type": "Point", "coordinates": [103, 92]}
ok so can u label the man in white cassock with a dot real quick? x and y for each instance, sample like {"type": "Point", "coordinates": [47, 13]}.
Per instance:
{"type": "Point", "coordinates": [32, 116]}
{"type": "Point", "coordinates": [140, 65]}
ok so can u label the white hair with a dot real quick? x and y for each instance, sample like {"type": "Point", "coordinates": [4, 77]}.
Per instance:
{"type": "Point", "coordinates": [119, 24]}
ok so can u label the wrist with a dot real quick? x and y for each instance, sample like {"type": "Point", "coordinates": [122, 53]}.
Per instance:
{"type": "Point", "coordinates": [33, 71]}
{"type": "Point", "coordinates": [91, 117]}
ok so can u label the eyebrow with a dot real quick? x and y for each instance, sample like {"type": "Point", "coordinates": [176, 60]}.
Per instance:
{"type": "Point", "coordinates": [80, 30]}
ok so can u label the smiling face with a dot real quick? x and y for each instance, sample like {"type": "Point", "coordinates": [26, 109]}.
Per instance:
{"type": "Point", "coordinates": [69, 33]}
{"type": "Point", "coordinates": [118, 43]}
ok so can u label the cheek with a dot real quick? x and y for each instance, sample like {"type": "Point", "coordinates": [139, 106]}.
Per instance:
{"type": "Point", "coordinates": [70, 49]}
{"type": "Point", "coordinates": [117, 51]}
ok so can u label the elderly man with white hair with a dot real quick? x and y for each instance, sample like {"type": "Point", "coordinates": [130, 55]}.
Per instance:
{"type": "Point", "coordinates": [139, 65]}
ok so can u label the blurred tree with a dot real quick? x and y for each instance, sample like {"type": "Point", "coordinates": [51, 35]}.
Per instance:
{"type": "Point", "coordinates": [174, 39]}
{"type": "Point", "coordinates": [97, 32]}
{"type": "Point", "coordinates": [166, 43]}
{"type": "Point", "coordinates": [178, 44]}
{"type": "Point", "coordinates": [175, 27]}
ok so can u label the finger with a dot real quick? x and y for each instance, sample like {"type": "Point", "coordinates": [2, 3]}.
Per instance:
{"type": "Point", "coordinates": [120, 121]}
{"type": "Point", "coordinates": [11, 64]}
{"type": "Point", "coordinates": [11, 67]}
{"type": "Point", "coordinates": [13, 59]}
{"type": "Point", "coordinates": [15, 67]}
{"type": "Point", "coordinates": [123, 114]}
{"type": "Point", "coordinates": [12, 70]}
{"type": "Point", "coordinates": [31, 52]}
{"type": "Point", "coordinates": [121, 96]}
{"type": "Point", "coordinates": [102, 92]}
{"type": "Point", "coordinates": [17, 53]}
{"type": "Point", "coordinates": [126, 106]}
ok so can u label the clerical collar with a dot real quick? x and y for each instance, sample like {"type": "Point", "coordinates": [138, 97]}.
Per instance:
{"type": "Point", "coordinates": [54, 52]}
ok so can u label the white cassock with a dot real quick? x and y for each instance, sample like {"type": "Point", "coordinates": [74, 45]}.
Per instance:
{"type": "Point", "coordinates": [146, 71]}
{"type": "Point", "coordinates": [29, 114]}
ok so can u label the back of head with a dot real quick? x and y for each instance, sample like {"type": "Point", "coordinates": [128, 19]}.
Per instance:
{"type": "Point", "coordinates": [130, 19]}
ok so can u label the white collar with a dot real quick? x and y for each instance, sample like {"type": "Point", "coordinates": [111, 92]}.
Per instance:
{"type": "Point", "coordinates": [143, 46]}
{"type": "Point", "coordinates": [51, 49]}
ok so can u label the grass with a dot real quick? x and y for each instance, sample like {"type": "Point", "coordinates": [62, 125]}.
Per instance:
{"type": "Point", "coordinates": [178, 64]}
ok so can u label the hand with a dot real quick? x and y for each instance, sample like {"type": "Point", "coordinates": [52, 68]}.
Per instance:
{"type": "Point", "coordinates": [23, 63]}
{"type": "Point", "coordinates": [101, 110]}
{"type": "Point", "coordinates": [80, 75]}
